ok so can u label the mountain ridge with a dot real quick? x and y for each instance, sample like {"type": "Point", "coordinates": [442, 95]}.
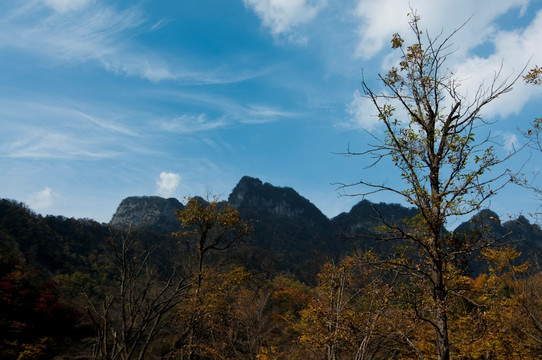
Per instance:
{"type": "Point", "coordinates": [292, 230]}
{"type": "Point", "coordinates": [285, 202]}
{"type": "Point", "coordinates": [290, 233]}
{"type": "Point", "coordinates": [282, 201]}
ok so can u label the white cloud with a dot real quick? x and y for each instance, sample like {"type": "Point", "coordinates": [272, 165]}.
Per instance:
{"type": "Point", "coordinates": [513, 51]}
{"type": "Point", "coordinates": [511, 142]}
{"type": "Point", "coordinates": [167, 184]}
{"type": "Point", "coordinates": [41, 199]}
{"type": "Point", "coordinates": [381, 19]}
{"type": "Point", "coordinates": [362, 113]}
{"type": "Point", "coordinates": [506, 52]}
{"type": "Point", "coordinates": [281, 16]}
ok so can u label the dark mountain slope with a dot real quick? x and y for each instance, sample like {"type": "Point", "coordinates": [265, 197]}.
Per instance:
{"type": "Point", "coordinates": [290, 233]}
{"type": "Point", "coordinates": [55, 243]}
{"type": "Point", "coordinates": [281, 216]}
{"type": "Point", "coordinates": [520, 233]}
{"type": "Point", "coordinates": [357, 227]}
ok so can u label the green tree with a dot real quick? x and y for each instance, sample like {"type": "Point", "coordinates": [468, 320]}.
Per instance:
{"type": "Point", "coordinates": [445, 167]}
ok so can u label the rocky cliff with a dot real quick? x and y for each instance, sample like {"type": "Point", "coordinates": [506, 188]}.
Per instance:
{"type": "Point", "coordinates": [147, 212]}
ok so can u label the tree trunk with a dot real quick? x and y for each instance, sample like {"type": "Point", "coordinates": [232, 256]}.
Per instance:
{"type": "Point", "coordinates": [441, 315]}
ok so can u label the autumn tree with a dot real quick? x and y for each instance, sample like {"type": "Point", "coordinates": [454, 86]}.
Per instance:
{"type": "Point", "coordinates": [534, 135]}
{"type": "Point", "coordinates": [35, 320]}
{"type": "Point", "coordinates": [534, 76]}
{"type": "Point", "coordinates": [207, 227]}
{"type": "Point", "coordinates": [348, 315]}
{"type": "Point", "coordinates": [430, 137]}
{"type": "Point", "coordinates": [289, 298]}
{"type": "Point", "coordinates": [529, 289]}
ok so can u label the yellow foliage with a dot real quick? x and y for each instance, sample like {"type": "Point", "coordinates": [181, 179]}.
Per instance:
{"type": "Point", "coordinates": [33, 351]}
{"type": "Point", "coordinates": [199, 215]}
{"type": "Point", "coordinates": [502, 259]}
{"type": "Point", "coordinates": [534, 76]}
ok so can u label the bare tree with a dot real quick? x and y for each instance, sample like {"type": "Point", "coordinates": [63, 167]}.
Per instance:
{"type": "Point", "coordinates": [445, 167]}
{"type": "Point", "coordinates": [132, 312]}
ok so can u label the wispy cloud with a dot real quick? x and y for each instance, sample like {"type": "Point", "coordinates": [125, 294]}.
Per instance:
{"type": "Point", "coordinates": [228, 112]}
{"type": "Point", "coordinates": [102, 34]}
{"type": "Point", "coordinates": [159, 24]}
{"type": "Point", "coordinates": [167, 183]}
{"type": "Point", "coordinates": [511, 142]}
{"type": "Point", "coordinates": [94, 34]}
{"type": "Point", "coordinates": [43, 111]}
{"type": "Point", "coordinates": [259, 114]}
{"type": "Point", "coordinates": [63, 6]}
{"type": "Point", "coordinates": [39, 143]}
{"type": "Point", "coordinates": [108, 125]}
{"type": "Point", "coordinates": [62, 130]}
{"type": "Point", "coordinates": [189, 123]}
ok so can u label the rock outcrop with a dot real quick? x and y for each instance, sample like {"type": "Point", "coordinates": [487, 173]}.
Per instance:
{"type": "Point", "coordinates": [147, 212]}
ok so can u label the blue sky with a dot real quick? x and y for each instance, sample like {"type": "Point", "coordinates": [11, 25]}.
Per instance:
{"type": "Point", "coordinates": [100, 100]}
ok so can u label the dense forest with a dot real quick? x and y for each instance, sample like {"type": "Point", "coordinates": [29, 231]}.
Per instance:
{"type": "Point", "coordinates": [79, 289]}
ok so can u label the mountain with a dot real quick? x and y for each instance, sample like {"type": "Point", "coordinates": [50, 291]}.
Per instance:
{"type": "Point", "coordinates": [251, 195]}
{"type": "Point", "coordinates": [279, 214]}
{"type": "Point", "coordinates": [147, 212]}
{"type": "Point", "coordinates": [292, 234]}
{"type": "Point", "coordinates": [524, 236]}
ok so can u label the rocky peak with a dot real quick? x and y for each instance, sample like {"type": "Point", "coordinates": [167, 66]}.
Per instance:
{"type": "Point", "coordinates": [486, 221]}
{"type": "Point", "coordinates": [148, 212]}
{"type": "Point", "coordinates": [247, 185]}
{"type": "Point", "coordinates": [365, 216]}
{"type": "Point", "coordinates": [251, 194]}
